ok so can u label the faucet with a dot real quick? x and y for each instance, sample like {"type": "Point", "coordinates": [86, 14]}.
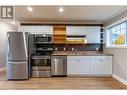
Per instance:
{"type": "Point", "coordinates": [75, 49]}
{"type": "Point", "coordinates": [76, 52]}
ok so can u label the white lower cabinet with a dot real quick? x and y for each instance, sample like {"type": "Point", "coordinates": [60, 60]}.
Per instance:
{"type": "Point", "coordinates": [72, 67]}
{"type": "Point", "coordinates": [107, 65]}
{"type": "Point", "coordinates": [96, 67]}
{"type": "Point", "coordinates": [89, 65]}
{"type": "Point", "coordinates": [97, 64]}
{"type": "Point", "coordinates": [84, 67]}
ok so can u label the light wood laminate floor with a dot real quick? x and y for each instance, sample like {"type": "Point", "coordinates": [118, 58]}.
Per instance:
{"type": "Point", "coordinates": [82, 83]}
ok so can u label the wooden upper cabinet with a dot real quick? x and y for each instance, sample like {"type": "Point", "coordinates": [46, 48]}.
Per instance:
{"type": "Point", "coordinates": [59, 34]}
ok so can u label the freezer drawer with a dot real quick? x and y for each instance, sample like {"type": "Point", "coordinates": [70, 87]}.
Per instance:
{"type": "Point", "coordinates": [17, 70]}
{"type": "Point", "coordinates": [40, 74]}
{"type": "Point", "coordinates": [59, 66]}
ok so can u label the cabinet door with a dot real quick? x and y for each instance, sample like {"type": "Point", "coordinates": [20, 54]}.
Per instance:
{"type": "Point", "coordinates": [107, 65]}
{"type": "Point", "coordinates": [30, 29]}
{"type": "Point", "coordinates": [44, 29]}
{"type": "Point", "coordinates": [89, 36]}
{"type": "Point", "coordinates": [72, 67]}
{"type": "Point", "coordinates": [93, 34]}
{"type": "Point", "coordinates": [95, 66]}
{"type": "Point", "coordinates": [76, 30]}
{"type": "Point", "coordinates": [84, 67]}
{"type": "Point", "coordinates": [96, 31]}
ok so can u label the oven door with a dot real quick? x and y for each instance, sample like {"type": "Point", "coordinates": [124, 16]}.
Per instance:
{"type": "Point", "coordinates": [41, 61]}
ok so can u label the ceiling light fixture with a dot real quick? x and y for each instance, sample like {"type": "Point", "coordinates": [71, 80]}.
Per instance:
{"type": "Point", "coordinates": [61, 9]}
{"type": "Point", "coordinates": [30, 9]}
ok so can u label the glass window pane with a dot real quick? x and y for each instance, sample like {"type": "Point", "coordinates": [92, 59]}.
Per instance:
{"type": "Point", "coordinates": [123, 31]}
{"type": "Point", "coordinates": [113, 28]}
{"type": "Point", "coordinates": [118, 34]}
{"type": "Point", "coordinates": [119, 38]}
{"type": "Point", "coordinates": [118, 27]}
{"type": "Point", "coordinates": [123, 25]}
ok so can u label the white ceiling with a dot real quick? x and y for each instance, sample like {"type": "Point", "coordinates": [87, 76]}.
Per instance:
{"type": "Point", "coordinates": [70, 14]}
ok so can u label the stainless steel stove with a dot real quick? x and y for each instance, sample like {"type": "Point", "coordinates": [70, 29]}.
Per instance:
{"type": "Point", "coordinates": [41, 60]}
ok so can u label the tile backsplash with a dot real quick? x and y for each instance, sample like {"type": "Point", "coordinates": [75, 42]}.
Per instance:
{"type": "Point", "coordinates": [85, 47]}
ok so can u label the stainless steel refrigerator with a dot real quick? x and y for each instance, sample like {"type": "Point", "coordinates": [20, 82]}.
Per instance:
{"type": "Point", "coordinates": [17, 56]}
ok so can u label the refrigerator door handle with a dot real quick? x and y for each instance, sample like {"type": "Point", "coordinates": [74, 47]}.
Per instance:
{"type": "Point", "coordinates": [25, 47]}
{"type": "Point", "coordinates": [8, 44]}
{"type": "Point", "coordinates": [17, 62]}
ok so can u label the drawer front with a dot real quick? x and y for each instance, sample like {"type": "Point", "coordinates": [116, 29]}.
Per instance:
{"type": "Point", "coordinates": [40, 68]}
{"type": "Point", "coordinates": [71, 58]}
{"type": "Point", "coordinates": [41, 74]}
{"type": "Point", "coordinates": [92, 58]}
{"type": "Point", "coordinates": [83, 58]}
{"type": "Point", "coordinates": [75, 58]}
{"type": "Point", "coordinates": [17, 70]}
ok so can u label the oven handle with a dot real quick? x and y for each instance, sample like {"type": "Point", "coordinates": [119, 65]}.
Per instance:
{"type": "Point", "coordinates": [39, 57]}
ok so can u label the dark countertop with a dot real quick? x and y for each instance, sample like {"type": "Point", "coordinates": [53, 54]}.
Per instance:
{"type": "Point", "coordinates": [80, 53]}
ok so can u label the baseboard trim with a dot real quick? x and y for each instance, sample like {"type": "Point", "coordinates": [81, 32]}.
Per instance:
{"type": "Point", "coordinates": [2, 69]}
{"type": "Point", "coordinates": [91, 75]}
{"type": "Point", "coordinates": [120, 79]}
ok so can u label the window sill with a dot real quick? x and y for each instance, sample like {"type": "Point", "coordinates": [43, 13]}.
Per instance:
{"type": "Point", "coordinates": [121, 46]}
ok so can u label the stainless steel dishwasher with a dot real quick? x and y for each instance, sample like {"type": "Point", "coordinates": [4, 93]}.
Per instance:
{"type": "Point", "coordinates": [59, 65]}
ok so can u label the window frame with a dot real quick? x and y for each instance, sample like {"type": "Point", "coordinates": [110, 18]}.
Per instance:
{"type": "Point", "coordinates": [109, 36]}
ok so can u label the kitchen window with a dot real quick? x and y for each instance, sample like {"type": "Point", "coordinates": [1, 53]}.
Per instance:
{"type": "Point", "coordinates": [117, 35]}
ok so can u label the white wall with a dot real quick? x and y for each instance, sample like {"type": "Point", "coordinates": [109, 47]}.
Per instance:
{"type": "Point", "coordinates": [120, 61]}
{"type": "Point", "coordinates": [4, 27]}
{"type": "Point", "coordinates": [117, 18]}
{"type": "Point", "coordinates": [120, 54]}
